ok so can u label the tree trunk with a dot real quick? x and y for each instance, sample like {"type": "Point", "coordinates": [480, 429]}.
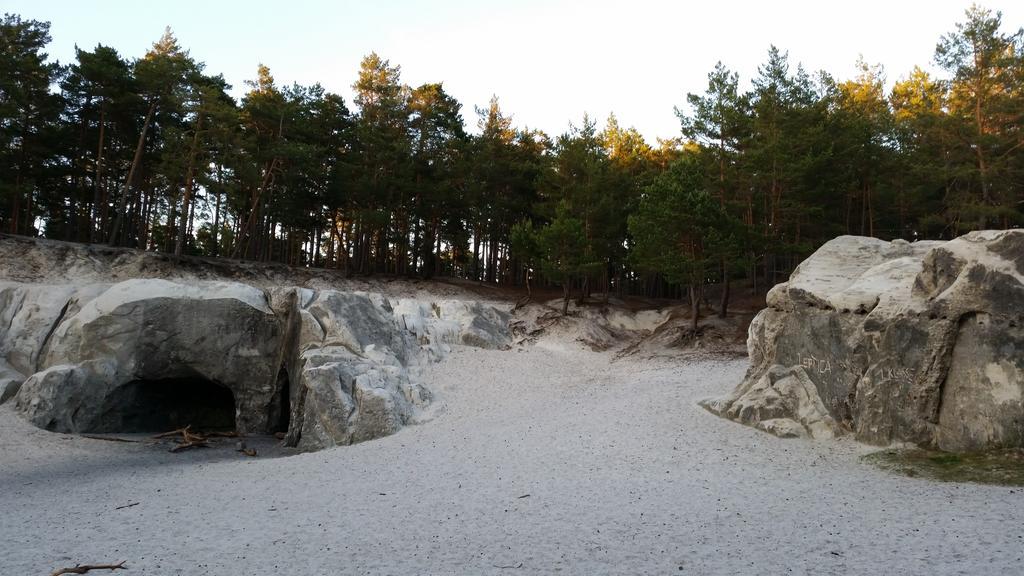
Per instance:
{"type": "Point", "coordinates": [122, 205]}
{"type": "Point", "coordinates": [331, 233]}
{"type": "Point", "coordinates": [345, 247]}
{"type": "Point", "coordinates": [430, 236]}
{"type": "Point", "coordinates": [171, 225]}
{"type": "Point", "coordinates": [694, 307]}
{"type": "Point", "coordinates": [584, 289]}
{"type": "Point", "coordinates": [216, 214]}
{"type": "Point", "coordinates": [95, 235]}
{"type": "Point", "coordinates": [16, 207]}
{"type": "Point", "coordinates": [186, 203]}
{"type": "Point", "coordinates": [724, 307]}
{"type": "Point", "coordinates": [986, 196]}
{"type": "Point", "coordinates": [249, 229]}
{"type": "Point", "coordinates": [476, 254]}
{"type": "Point", "coordinates": [871, 214]}
{"type": "Point", "coordinates": [191, 218]}
{"type": "Point", "coordinates": [438, 264]}
{"type": "Point", "coordinates": [492, 259]}
{"type": "Point", "coordinates": [607, 285]}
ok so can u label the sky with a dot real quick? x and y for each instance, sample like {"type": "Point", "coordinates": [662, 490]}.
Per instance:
{"type": "Point", "coordinates": [548, 61]}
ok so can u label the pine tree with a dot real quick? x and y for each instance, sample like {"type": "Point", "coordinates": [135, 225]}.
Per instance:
{"type": "Point", "coordinates": [99, 109]}
{"type": "Point", "coordinates": [439, 143]}
{"type": "Point", "coordinates": [384, 140]}
{"type": "Point", "coordinates": [29, 114]}
{"type": "Point", "coordinates": [579, 186]}
{"type": "Point", "coordinates": [720, 124]}
{"type": "Point", "coordinates": [161, 77]}
{"type": "Point", "coordinates": [681, 230]}
{"type": "Point", "coordinates": [863, 128]}
{"type": "Point", "coordinates": [986, 102]}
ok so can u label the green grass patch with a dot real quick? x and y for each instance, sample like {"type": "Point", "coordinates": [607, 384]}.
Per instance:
{"type": "Point", "coordinates": [1002, 467]}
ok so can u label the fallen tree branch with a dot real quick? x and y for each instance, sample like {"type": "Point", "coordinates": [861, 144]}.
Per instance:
{"type": "Point", "coordinates": [108, 438]}
{"type": "Point", "coordinates": [178, 432]}
{"type": "Point", "coordinates": [187, 440]}
{"type": "Point", "coordinates": [190, 439]}
{"type": "Point", "coordinates": [202, 443]}
{"type": "Point", "coordinates": [83, 568]}
{"type": "Point", "coordinates": [520, 303]}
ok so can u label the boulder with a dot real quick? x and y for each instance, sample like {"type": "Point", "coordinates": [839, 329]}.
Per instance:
{"type": "Point", "coordinates": [327, 367]}
{"type": "Point", "coordinates": [155, 330]}
{"type": "Point", "coordinates": [10, 381]}
{"type": "Point", "coordinates": [893, 342]}
{"type": "Point", "coordinates": [350, 364]}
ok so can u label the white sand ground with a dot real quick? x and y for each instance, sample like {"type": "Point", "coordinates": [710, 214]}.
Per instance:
{"type": "Point", "coordinates": [624, 474]}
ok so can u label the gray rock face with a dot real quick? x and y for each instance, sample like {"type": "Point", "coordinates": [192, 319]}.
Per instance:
{"type": "Point", "coordinates": [10, 381]}
{"type": "Point", "coordinates": [918, 343]}
{"type": "Point", "coordinates": [155, 330]}
{"type": "Point", "coordinates": [326, 367]}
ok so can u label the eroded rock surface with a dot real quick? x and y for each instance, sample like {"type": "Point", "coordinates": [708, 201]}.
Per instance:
{"type": "Point", "coordinates": [328, 367]}
{"type": "Point", "coordinates": [893, 341]}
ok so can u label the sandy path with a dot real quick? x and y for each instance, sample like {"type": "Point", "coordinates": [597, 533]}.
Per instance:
{"type": "Point", "coordinates": [624, 475]}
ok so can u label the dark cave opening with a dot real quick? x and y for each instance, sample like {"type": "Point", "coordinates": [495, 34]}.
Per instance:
{"type": "Point", "coordinates": [168, 404]}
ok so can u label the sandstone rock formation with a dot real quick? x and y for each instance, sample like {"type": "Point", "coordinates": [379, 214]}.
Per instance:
{"type": "Point", "coordinates": [893, 341]}
{"type": "Point", "coordinates": [327, 367]}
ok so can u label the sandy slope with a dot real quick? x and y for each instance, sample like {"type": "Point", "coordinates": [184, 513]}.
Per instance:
{"type": "Point", "coordinates": [544, 460]}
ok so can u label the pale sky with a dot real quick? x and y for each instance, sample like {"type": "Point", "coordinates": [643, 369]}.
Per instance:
{"type": "Point", "coordinates": [549, 61]}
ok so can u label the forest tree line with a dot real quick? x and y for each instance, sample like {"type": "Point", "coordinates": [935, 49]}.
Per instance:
{"type": "Point", "coordinates": [154, 153]}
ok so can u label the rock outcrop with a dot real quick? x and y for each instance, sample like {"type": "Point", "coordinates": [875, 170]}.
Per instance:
{"type": "Point", "coordinates": [894, 342]}
{"type": "Point", "coordinates": [327, 367]}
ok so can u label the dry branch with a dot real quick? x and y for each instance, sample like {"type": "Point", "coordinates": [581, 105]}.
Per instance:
{"type": "Point", "coordinates": [178, 432]}
{"type": "Point", "coordinates": [83, 568]}
{"type": "Point", "coordinates": [108, 438]}
{"type": "Point", "coordinates": [188, 439]}
{"type": "Point", "coordinates": [520, 303]}
{"type": "Point", "coordinates": [190, 444]}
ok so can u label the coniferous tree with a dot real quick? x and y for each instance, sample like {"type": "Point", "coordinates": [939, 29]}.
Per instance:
{"type": "Point", "coordinates": [681, 229]}
{"type": "Point", "coordinates": [439, 144]}
{"type": "Point", "coordinates": [863, 124]}
{"type": "Point", "coordinates": [720, 125]}
{"type": "Point", "coordinates": [985, 104]}
{"type": "Point", "coordinates": [154, 153]}
{"type": "Point", "coordinates": [579, 187]}
{"type": "Point", "coordinates": [632, 164]}
{"type": "Point", "coordinates": [99, 106]}
{"type": "Point", "coordinates": [383, 135]}
{"type": "Point", "coordinates": [923, 140]}
{"type": "Point", "coordinates": [160, 80]}
{"type": "Point", "coordinates": [29, 114]}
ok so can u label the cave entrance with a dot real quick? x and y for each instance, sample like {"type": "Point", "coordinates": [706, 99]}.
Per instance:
{"type": "Point", "coordinates": [168, 404]}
